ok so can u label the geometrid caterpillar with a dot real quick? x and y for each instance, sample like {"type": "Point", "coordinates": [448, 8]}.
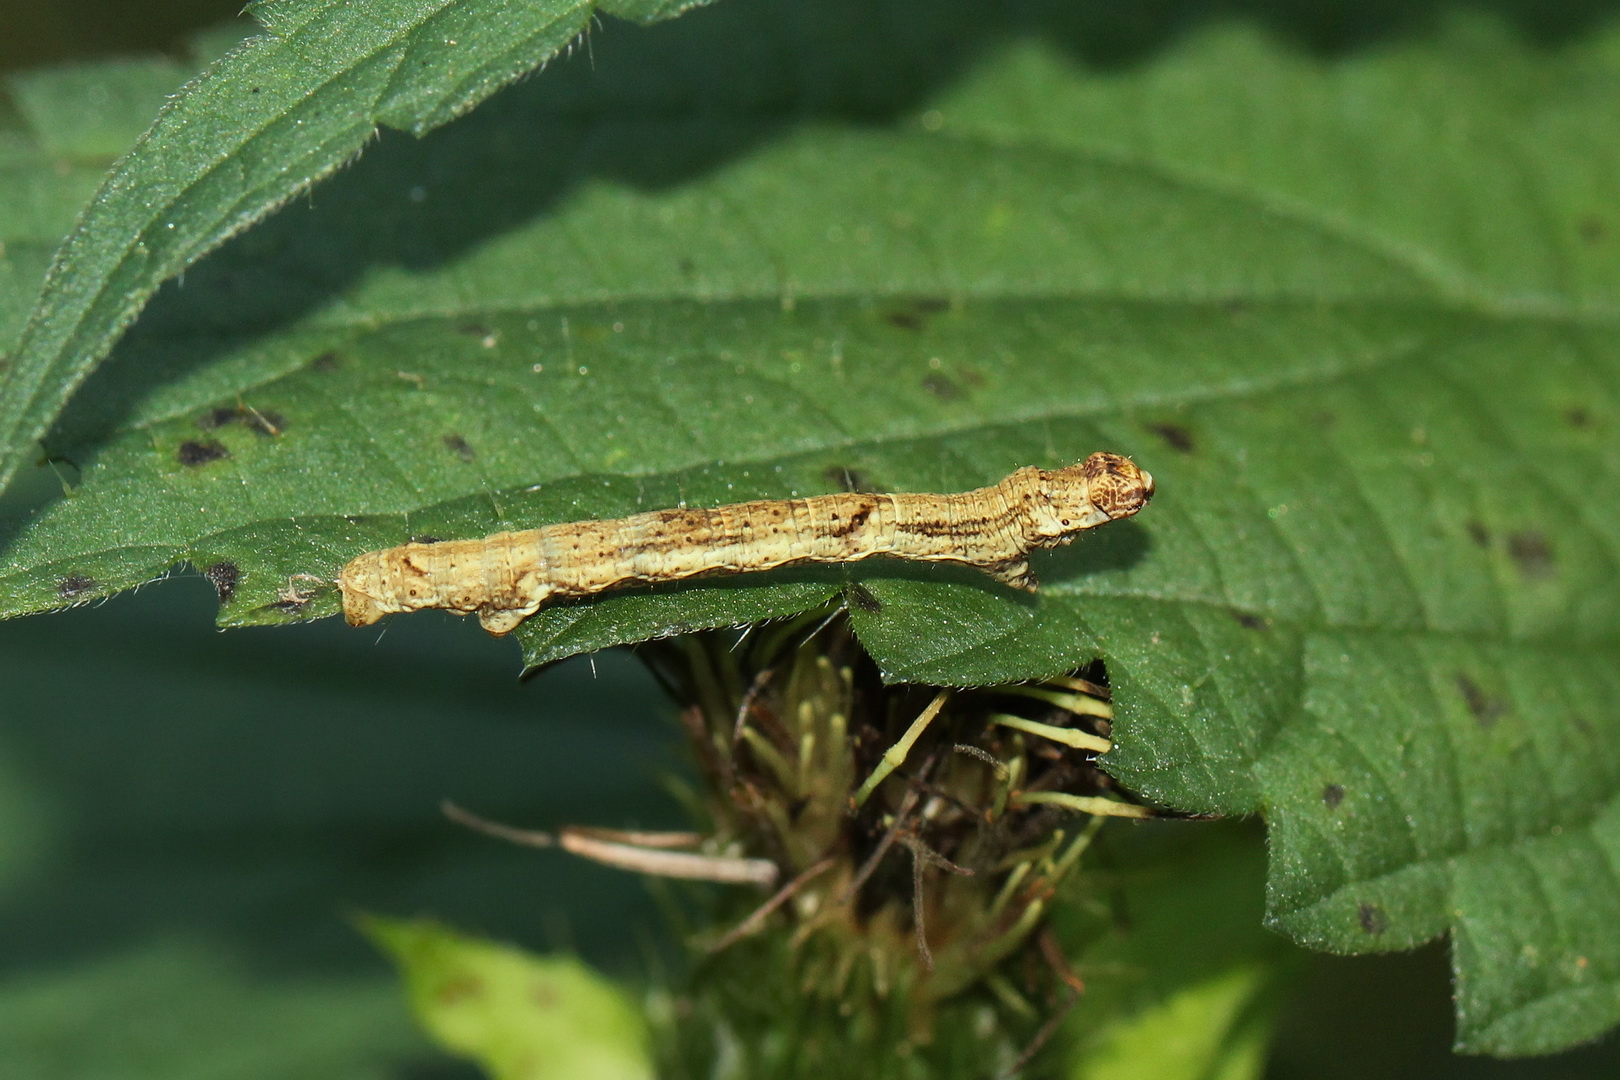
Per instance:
{"type": "Point", "coordinates": [505, 578]}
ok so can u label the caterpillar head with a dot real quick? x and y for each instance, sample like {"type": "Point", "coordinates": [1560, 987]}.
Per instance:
{"type": "Point", "coordinates": [1102, 488]}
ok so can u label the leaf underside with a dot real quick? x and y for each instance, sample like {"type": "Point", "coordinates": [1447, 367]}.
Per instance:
{"type": "Point", "coordinates": [1356, 315]}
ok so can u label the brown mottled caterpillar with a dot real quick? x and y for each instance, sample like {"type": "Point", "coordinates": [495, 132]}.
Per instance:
{"type": "Point", "coordinates": [505, 578]}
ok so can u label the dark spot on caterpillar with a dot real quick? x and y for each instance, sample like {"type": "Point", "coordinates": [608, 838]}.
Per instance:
{"type": "Point", "coordinates": [1175, 437]}
{"type": "Point", "coordinates": [224, 576]}
{"type": "Point", "coordinates": [1332, 796]}
{"type": "Point", "coordinates": [862, 597]}
{"type": "Point", "coordinates": [427, 539]}
{"type": "Point", "coordinates": [327, 361]}
{"type": "Point", "coordinates": [1250, 621]}
{"type": "Point", "coordinates": [74, 585]}
{"type": "Point", "coordinates": [849, 479]}
{"type": "Point", "coordinates": [1486, 709]}
{"type": "Point", "coordinates": [941, 387]}
{"type": "Point", "coordinates": [1372, 919]}
{"type": "Point", "coordinates": [477, 330]}
{"type": "Point", "coordinates": [905, 320]}
{"type": "Point", "coordinates": [191, 453]}
{"type": "Point", "coordinates": [1478, 533]}
{"type": "Point", "coordinates": [1593, 229]}
{"type": "Point", "coordinates": [1532, 553]}
{"type": "Point", "coordinates": [460, 447]}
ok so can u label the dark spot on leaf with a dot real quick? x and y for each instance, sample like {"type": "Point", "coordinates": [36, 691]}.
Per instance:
{"type": "Point", "coordinates": [253, 90]}
{"type": "Point", "coordinates": [74, 585]}
{"type": "Point", "coordinates": [459, 989]}
{"type": "Point", "coordinates": [685, 266]}
{"type": "Point", "coordinates": [1238, 306]}
{"type": "Point", "coordinates": [1578, 417]}
{"type": "Point", "coordinates": [460, 447]}
{"type": "Point", "coordinates": [905, 320]}
{"type": "Point", "coordinates": [327, 361]}
{"type": "Point", "coordinates": [192, 454]}
{"type": "Point", "coordinates": [224, 576]}
{"type": "Point", "coordinates": [1532, 553]}
{"type": "Point", "coordinates": [1478, 533]}
{"type": "Point", "coordinates": [847, 478]}
{"type": "Point", "coordinates": [260, 421]}
{"type": "Point", "coordinates": [1372, 919]}
{"type": "Point", "coordinates": [1175, 436]}
{"type": "Point", "coordinates": [941, 387]}
{"type": "Point", "coordinates": [1486, 708]}
{"type": "Point", "coordinates": [862, 597]}
{"type": "Point", "coordinates": [930, 305]}
{"type": "Point", "coordinates": [1332, 796]}
{"type": "Point", "coordinates": [472, 329]}
{"type": "Point", "coordinates": [217, 418]}
{"type": "Point", "coordinates": [1250, 621]}
{"type": "Point", "coordinates": [1594, 230]}
{"type": "Point", "coordinates": [427, 539]}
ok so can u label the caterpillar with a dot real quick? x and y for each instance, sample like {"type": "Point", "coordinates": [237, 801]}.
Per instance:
{"type": "Point", "coordinates": [507, 577]}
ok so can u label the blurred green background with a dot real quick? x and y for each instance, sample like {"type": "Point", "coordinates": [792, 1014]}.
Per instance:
{"type": "Point", "coordinates": [189, 819]}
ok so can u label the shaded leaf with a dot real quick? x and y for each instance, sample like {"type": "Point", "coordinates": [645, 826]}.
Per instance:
{"type": "Point", "coordinates": [265, 122]}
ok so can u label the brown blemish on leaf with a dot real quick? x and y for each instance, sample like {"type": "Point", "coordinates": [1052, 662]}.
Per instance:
{"type": "Point", "coordinates": [545, 995]}
{"type": "Point", "coordinates": [905, 320]}
{"type": "Point", "coordinates": [1478, 533]}
{"type": "Point", "coordinates": [192, 453]}
{"type": "Point", "coordinates": [260, 421]}
{"type": "Point", "coordinates": [74, 585]}
{"type": "Point", "coordinates": [1532, 553]}
{"type": "Point", "coordinates": [941, 387]}
{"type": "Point", "coordinates": [458, 990]}
{"type": "Point", "coordinates": [477, 330]}
{"type": "Point", "coordinates": [224, 576]}
{"type": "Point", "coordinates": [860, 596]}
{"type": "Point", "coordinates": [460, 447]}
{"type": "Point", "coordinates": [1372, 919]}
{"type": "Point", "coordinates": [1594, 230]}
{"type": "Point", "coordinates": [327, 361]}
{"type": "Point", "coordinates": [1332, 796]}
{"type": "Point", "coordinates": [1578, 417]}
{"type": "Point", "coordinates": [217, 418]}
{"type": "Point", "coordinates": [1485, 708]}
{"type": "Point", "coordinates": [1250, 621]}
{"type": "Point", "coordinates": [1175, 437]}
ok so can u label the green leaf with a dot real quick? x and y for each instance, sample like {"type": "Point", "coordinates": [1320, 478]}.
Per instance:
{"type": "Point", "coordinates": [521, 1017]}
{"type": "Point", "coordinates": [265, 122]}
{"type": "Point", "coordinates": [1356, 314]}
{"type": "Point", "coordinates": [1184, 985]}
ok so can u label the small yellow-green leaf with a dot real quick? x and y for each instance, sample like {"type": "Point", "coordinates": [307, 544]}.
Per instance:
{"type": "Point", "coordinates": [521, 1017]}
